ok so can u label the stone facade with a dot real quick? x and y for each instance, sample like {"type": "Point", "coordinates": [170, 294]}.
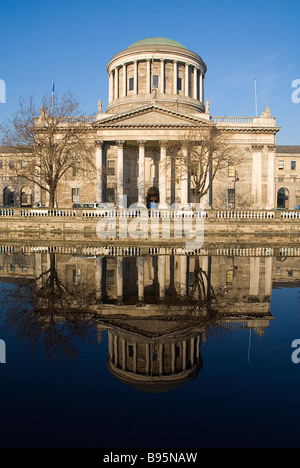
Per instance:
{"type": "Point", "coordinates": [156, 95]}
{"type": "Point", "coordinates": [287, 177]}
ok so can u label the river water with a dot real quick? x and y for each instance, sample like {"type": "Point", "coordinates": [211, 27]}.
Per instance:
{"type": "Point", "coordinates": [149, 351]}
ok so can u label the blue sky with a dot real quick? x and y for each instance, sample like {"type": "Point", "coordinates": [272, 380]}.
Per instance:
{"type": "Point", "coordinates": [73, 40]}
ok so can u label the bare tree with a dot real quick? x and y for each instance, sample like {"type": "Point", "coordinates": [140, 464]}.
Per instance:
{"type": "Point", "coordinates": [200, 155]}
{"type": "Point", "coordinates": [54, 140]}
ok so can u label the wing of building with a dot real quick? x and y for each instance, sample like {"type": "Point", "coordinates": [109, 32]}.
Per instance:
{"type": "Point", "coordinates": [157, 96]}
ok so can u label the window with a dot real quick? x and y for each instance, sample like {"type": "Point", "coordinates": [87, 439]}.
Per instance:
{"type": "Point", "coordinates": [280, 180]}
{"type": "Point", "coordinates": [111, 195]}
{"type": "Point", "coordinates": [75, 195]}
{"type": "Point", "coordinates": [281, 165]}
{"type": "Point", "coordinates": [110, 277]}
{"type": "Point", "coordinates": [231, 171]}
{"type": "Point", "coordinates": [131, 84]}
{"type": "Point", "coordinates": [231, 197]}
{"type": "Point", "coordinates": [1, 164]}
{"type": "Point", "coordinates": [293, 165]}
{"type": "Point", "coordinates": [155, 81]}
{"type": "Point", "coordinates": [11, 164]}
{"type": "Point", "coordinates": [229, 277]}
{"type": "Point", "coordinates": [76, 276]}
{"type": "Point", "coordinates": [111, 167]}
{"type": "Point", "coordinates": [23, 164]}
{"type": "Point", "coordinates": [179, 84]}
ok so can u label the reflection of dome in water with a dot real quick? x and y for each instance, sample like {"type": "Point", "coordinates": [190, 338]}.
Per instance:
{"type": "Point", "coordinates": [160, 384]}
{"type": "Point", "coordinates": [155, 366]}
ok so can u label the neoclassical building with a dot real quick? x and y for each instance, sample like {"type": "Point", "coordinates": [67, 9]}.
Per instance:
{"type": "Point", "coordinates": [156, 95]}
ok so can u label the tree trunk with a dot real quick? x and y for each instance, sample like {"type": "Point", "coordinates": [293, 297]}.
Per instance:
{"type": "Point", "coordinates": [51, 199]}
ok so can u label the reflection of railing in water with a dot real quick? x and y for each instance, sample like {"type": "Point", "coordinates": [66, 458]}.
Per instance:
{"type": "Point", "coordinates": [252, 252]}
{"type": "Point", "coordinates": [136, 251]}
{"type": "Point", "coordinates": [112, 251]}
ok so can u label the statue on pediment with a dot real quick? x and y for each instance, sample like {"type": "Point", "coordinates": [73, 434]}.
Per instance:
{"type": "Point", "coordinates": [207, 107]}
{"type": "Point", "coordinates": [266, 114]}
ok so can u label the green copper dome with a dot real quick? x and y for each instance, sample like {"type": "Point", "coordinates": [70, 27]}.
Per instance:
{"type": "Point", "coordinates": [157, 41]}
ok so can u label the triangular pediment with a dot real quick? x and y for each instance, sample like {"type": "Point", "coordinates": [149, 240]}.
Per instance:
{"type": "Point", "coordinates": [152, 116]}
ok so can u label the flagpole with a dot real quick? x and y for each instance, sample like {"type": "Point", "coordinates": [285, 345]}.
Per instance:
{"type": "Point", "coordinates": [255, 85]}
{"type": "Point", "coordinates": [52, 96]}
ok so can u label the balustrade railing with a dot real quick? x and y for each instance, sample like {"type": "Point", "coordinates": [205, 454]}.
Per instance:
{"type": "Point", "coordinates": [245, 214]}
{"type": "Point", "coordinates": [154, 213]}
{"type": "Point", "coordinates": [48, 213]}
{"type": "Point", "coordinates": [290, 214]}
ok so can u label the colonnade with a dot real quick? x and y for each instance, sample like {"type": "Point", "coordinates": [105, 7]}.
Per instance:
{"type": "Point", "coordinates": [116, 91]}
{"type": "Point", "coordinates": [141, 173]}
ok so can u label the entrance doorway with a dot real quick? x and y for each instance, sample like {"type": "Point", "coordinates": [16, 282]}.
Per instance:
{"type": "Point", "coordinates": [8, 196]}
{"type": "Point", "coordinates": [282, 198]}
{"type": "Point", "coordinates": [152, 196]}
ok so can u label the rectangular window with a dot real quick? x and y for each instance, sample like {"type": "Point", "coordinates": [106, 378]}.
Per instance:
{"type": "Point", "coordinates": [111, 167]}
{"type": "Point", "coordinates": [75, 195]}
{"type": "Point", "coordinates": [231, 197]}
{"type": "Point", "coordinates": [111, 195]}
{"type": "Point", "coordinates": [11, 164]}
{"type": "Point", "coordinates": [23, 164]}
{"type": "Point", "coordinates": [179, 84]}
{"type": "Point", "coordinates": [231, 171]}
{"type": "Point", "coordinates": [1, 164]}
{"type": "Point", "coordinates": [281, 165]}
{"type": "Point", "coordinates": [130, 351]}
{"type": "Point", "coordinates": [293, 165]}
{"type": "Point", "coordinates": [110, 277]}
{"type": "Point", "coordinates": [76, 276]}
{"type": "Point", "coordinates": [131, 84]}
{"type": "Point", "coordinates": [155, 81]}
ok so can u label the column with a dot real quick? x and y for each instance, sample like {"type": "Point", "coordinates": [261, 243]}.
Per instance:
{"type": "Point", "coordinates": [162, 76]}
{"type": "Point", "coordinates": [111, 86]}
{"type": "Point", "coordinates": [140, 283]}
{"type": "Point", "coordinates": [161, 274]}
{"type": "Point", "coordinates": [201, 97]}
{"type": "Point", "coordinates": [148, 76]}
{"type": "Point", "coordinates": [195, 83]}
{"type": "Point", "coordinates": [184, 182]}
{"type": "Point", "coordinates": [183, 275]}
{"type": "Point", "coordinates": [271, 201]}
{"type": "Point", "coordinates": [257, 175]}
{"type": "Point", "coordinates": [147, 353]}
{"type": "Point", "coordinates": [135, 77]}
{"type": "Point", "coordinates": [163, 176]}
{"type": "Point", "coordinates": [98, 279]}
{"type": "Point", "coordinates": [254, 276]}
{"type": "Point", "coordinates": [268, 276]}
{"type": "Point", "coordinates": [120, 279]}
{"type": "Point", "coordinates": [141, 187]}
{"type": "Point", "coordinates": [99, 170]}
{"type": "Point", "coordinates": [187, 80]}
{"type": "Point", "coordinates": [175, 76]}
{"type": "Point", "coordinates": [116, 83]}
{"type": "Point", "coordinates": [120, 180]}
{"type": "Point", "coordinates": [124, 80]}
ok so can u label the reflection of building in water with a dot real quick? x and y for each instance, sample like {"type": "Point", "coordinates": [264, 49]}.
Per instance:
{"type": "Point", "coordinates": [158, 310]}
{"type": "Point", "coordinates": [157, 362]}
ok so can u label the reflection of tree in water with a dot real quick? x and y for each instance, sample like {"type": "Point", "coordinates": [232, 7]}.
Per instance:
{"type": "Point", "coordinates": [51, 314]}
{"type": "Point", "coordinates": [201, 304]}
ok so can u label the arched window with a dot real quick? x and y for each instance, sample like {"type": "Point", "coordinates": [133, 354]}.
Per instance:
{"type": "Point", "coordinates": [282, 198]}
